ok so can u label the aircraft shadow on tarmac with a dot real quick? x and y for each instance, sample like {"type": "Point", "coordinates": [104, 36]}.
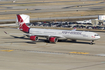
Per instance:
{"type": "Point", "coordinates": [69, 41]}
{"type": "Point", "coordinates": [60, 41]}
{"type": "Point", "coordinates": [16, 37]}
{"type": "Point", "coordinates": [43, 40]}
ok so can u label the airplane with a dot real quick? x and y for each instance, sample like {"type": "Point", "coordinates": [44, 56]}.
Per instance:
{"type": "Point", "coordinates": [53, 35]}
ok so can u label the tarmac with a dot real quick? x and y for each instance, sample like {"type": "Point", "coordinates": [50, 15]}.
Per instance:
{"type": "Point", "coordinates": [50, 10]}
{"type": "Point", "coordinates": [19, 53]}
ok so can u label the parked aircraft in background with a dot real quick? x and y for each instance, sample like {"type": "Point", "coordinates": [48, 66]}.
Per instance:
{"type": "Point", "coordinates": [54, 35]}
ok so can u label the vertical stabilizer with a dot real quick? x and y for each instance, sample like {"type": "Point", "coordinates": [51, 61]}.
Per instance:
{"type": "Point", "coordinates": [22, 19]}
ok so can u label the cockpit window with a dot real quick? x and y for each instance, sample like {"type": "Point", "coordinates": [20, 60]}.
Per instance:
{"type": "Point", "coordinates": [96, 35]}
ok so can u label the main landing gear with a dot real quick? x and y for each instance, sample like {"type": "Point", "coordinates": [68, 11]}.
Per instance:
{"type": "Point", "coordinates": [73, 40]}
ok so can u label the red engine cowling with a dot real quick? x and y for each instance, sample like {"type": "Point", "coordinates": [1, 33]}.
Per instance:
{"type": "Point", "coordinates": [33, 38]}
{"type": "Point", "coordinates": [53, 39]}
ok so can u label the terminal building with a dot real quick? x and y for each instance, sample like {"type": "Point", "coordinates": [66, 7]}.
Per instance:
{"type": "Point", "coordinates": [99, 21]}
{"type": "Point", "coordinates": [95, 22]}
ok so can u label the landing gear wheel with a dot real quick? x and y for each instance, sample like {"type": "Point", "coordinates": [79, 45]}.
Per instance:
{"type": "Point", "coordinates": [92, 42]}
{"type": "Point", "coordinates": [47, 40]}
{"type": "Point", "coordinates": [73, 40]}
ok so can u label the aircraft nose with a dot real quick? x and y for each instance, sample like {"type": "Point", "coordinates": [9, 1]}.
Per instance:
{"type": "Point", "coordinates": [98, 37]}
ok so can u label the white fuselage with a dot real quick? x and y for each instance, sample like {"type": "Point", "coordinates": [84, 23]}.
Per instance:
{"type": "Point", "coordinates": [65, 34]}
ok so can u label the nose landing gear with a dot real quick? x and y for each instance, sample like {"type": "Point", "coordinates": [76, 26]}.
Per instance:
{"type": "Point", "coordinates": [92, 42]}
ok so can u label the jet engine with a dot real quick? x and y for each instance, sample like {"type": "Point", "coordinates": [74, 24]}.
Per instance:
{"type": "Point", "coordinates": [53, 39]}
{"type": "Point", "coordinates": [33, 38]}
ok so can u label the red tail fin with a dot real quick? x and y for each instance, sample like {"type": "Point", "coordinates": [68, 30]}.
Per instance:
{"type": "Point", "coordinates": [22, 25]}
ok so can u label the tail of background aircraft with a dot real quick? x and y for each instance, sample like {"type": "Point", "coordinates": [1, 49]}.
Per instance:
{"type": "Point", "coordinates": [21, 19]}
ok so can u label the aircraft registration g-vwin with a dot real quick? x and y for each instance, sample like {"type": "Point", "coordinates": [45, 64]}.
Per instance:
{"type": "Point", "coordinates": [53, 35]}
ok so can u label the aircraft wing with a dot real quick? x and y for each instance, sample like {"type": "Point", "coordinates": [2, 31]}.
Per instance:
{"type": "Point", "coordinates": [39, 35]}
{"type": "Point", "coordinates": [14, 33]}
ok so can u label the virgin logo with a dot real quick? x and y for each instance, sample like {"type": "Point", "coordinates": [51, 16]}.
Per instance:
{"type": "Point", "coordinates": [21, 24]}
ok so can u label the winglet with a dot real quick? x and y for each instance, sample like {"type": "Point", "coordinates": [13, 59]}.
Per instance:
{"type": "Point", "coordinates": [5, 32]}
